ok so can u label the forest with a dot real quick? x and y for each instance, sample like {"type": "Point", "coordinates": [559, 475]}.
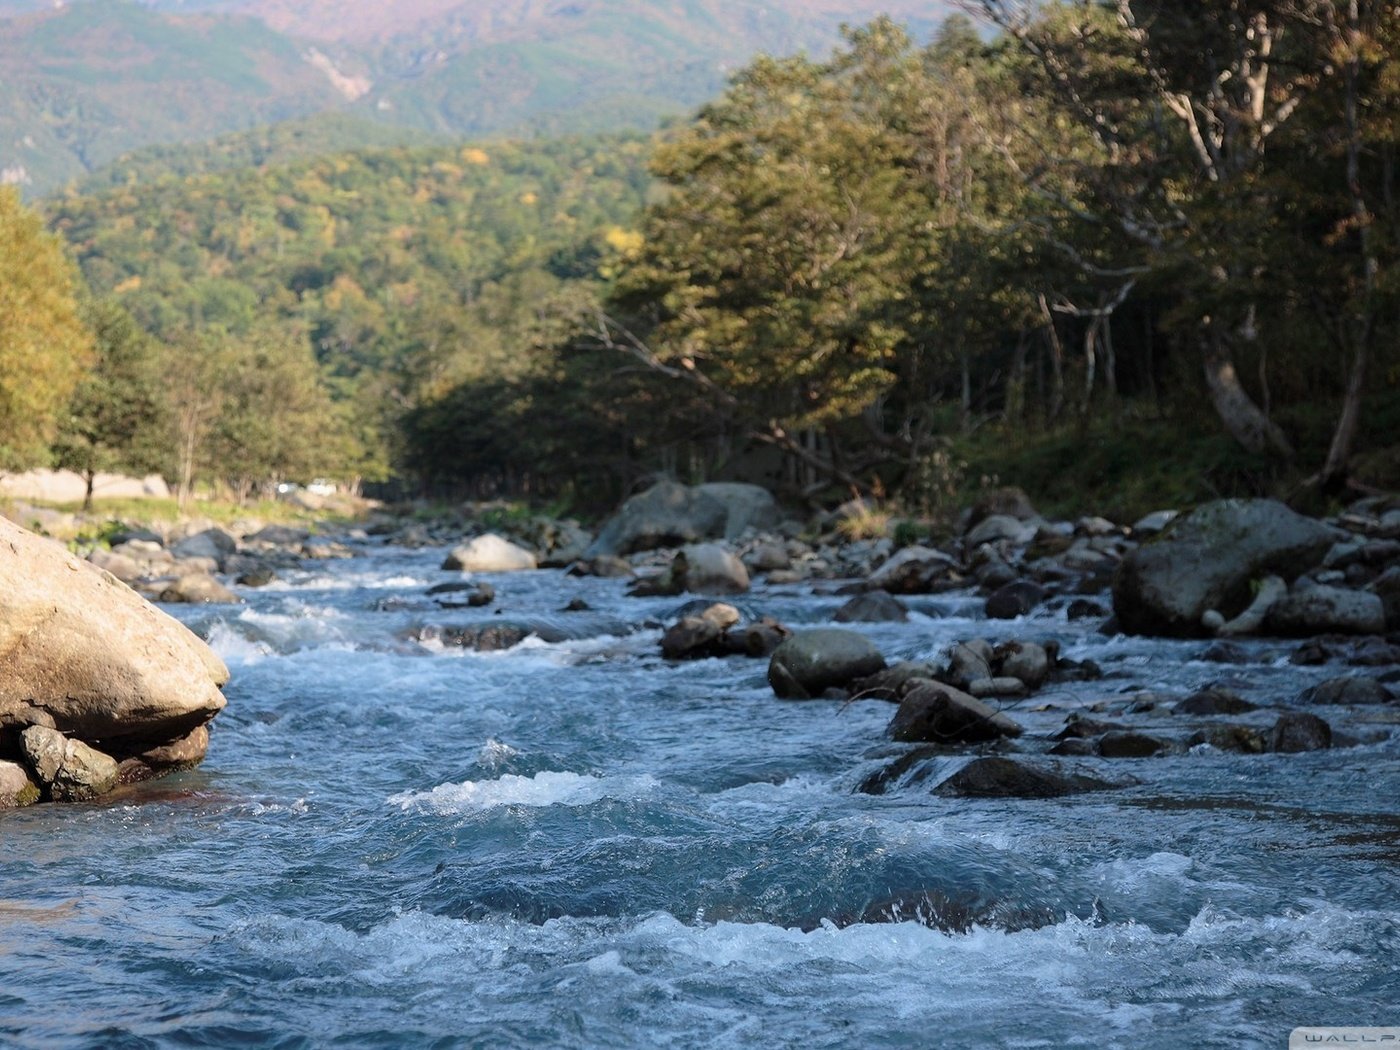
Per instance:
{"type": "Point", "coordinates": [1127, 251]}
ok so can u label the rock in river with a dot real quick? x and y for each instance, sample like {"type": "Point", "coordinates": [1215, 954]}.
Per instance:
{"type": "Point", "coordinates": [86, 656]}
{"type": "Point", "coordinates": [490, 553]}
{"type": "Point", "coordinates": [1206, 561]}
{"type": "Point", "coordinates": [811, 662]}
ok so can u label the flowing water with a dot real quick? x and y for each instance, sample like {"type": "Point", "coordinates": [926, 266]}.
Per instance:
{"type": "Point", "coordinates": [577, 844]}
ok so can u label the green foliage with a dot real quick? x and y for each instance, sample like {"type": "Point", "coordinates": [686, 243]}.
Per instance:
{"type": "Point", "coordinates": [117, 419]}
{"type": "Point", "coordinates": [43, 343]}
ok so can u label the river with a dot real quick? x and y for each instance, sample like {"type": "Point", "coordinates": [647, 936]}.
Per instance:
{"type": "Point", "coordinates": [577, 844]}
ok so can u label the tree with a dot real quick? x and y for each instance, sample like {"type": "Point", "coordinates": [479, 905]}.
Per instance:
{"type": "Point", "coordinates": [117, 418]}
{"type": "Point", "coordinates": [44, 345]}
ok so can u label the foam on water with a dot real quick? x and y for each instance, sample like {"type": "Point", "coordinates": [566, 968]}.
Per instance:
{"type": "Point", "coordinates": [542, 789]}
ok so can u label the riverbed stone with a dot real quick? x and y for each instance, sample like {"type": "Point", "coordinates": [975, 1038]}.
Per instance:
{"type": "Point", "coordinates": [490, 553]}
{"type": "Point", "coordinates": [1014, 599]}
{"type": "Point", "coordinates": [994, 776]}
{"type": "Point", "coordinates": [913, 570]}
{"type": "Point", "coordinates": [1350, 689]}
{"type": "Point", "coordinates": [810, 662]}
{"type": "Point", "coordinates": [1327, 610]}
{"type": "Point", "coordinates": [68, 770]}
{"type": "Point", "coordinates": [665, 515]}
{"type": "Point", "coordinates": [1206, 561]}
{"type": "Point", "coordinates": [198, 588]}
{"type": "Point", "coordinates": [932, 712]}
{"type": "Point", "coordinates": [1029, 662]}
{"type": "Point", "coordinates": [708, 568]}
{"type": "Point", "coordinates": [1236, 738]}
{"type": "Point", "coordinates": [873, 607]}
{"type": "Point", "coordinates": [1214, 701]}
{"type": "Point", "coordinates": [1126, 743]}
{"type": "Point", "coordinates": [1297, 731]}
{"type": "Point", "coordinates": [17, 787]}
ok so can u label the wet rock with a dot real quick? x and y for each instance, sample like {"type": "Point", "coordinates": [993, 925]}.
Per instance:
{"type": "Point", "coordinates": [697, 636]}
{"type": "Point", "coordinates": [759, 639]}
{"type": "Point", "coordinates": [1000, 527]}
{"type": "Point", "coordinates": [473, 595]}
{"type": "Point", "coordinates": [1125, 743]}
{"type": "Point", "coordinates": [280, 536]}
{"type": "Point", "coordinates": [997, 777]}
{"type": "Point", "coordinates": [1074, 747]}
{"type": "Point", "coordinates": [198, 589]}
{"type": "Point", "coordinates": [577, 605]}
{"type": "Point", "coordinates": [1225, 653]}
{"type": "Point", "coordinates": [1014, 599]}
{"type": "Point", "coordinates": [489, 637]}
{"type": "Point", "coordinates": [1002, 685]}
{"type": "Point", "coordinates": [768, 557]}
{"type": "Point", "coordinates": [932, 712]}
{"type": "Point", "coordinates": [892, 683]}
{"type": "Point", "coordinates": [666, 515]}
{"type": "Point", "coordinates": [1084, 609]}
{"type": "Point", "coordinates": [604, 566]}
{"type": "Point", "coordinates": [256, 578]}
{"type": "Point", "coordinates": [873, 607]}
{"type": "Point", "coordinates": [1078, 727]}
{"type": "Point", "coordinates": [1027, 661]}
{"type": "Point", "coordinates": [811, 662]}
{"type": "Point", "coordinates": [1325, 610]}
{"type": "Point", "coordinates": [1206, 561]}
{"type": "Point", "coordinates": [1295, 732]}
{"type": "Point", "coordinates": [173, 757]}
{"type": "Point", "coordinates": [1347, 690]}
{"type": "Point", "coordinates": [1009, 501]}
{"type": "Point", "coordinates": [16, 787]}
{"type": "Point", "coordinates": [1214, 701]}
{"type": "Point", "coordinates": [708, 568]}
{"type": "Point", "coordinates": [913, 570]}
{"type": "Point", "coordinates": [1237, 738]}
{"type": "Point", "coordinates": [67, 770]}
{"type": "Point", "coordinates": [969, 661]}
{"type": "Point", "coordinates": [215, 544]}
{"type": "Point", "coordinates": [490, 553]}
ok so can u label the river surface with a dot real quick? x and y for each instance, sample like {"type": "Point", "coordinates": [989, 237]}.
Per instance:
{"type": "Point", "coordinates": [577, 844]}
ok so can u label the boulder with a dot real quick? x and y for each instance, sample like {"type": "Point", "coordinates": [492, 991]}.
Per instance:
{"type": "Point", "coordinates": [932, 712]}
{"type": "Point", "coordinates": [1010, 502]}
{"type": "Point", "coordinates": [1014, 599]}
{"type": "Point", "coordinates": [768, 557]}
{"type": "Point", "coordinates": [707, 568]}
{"type": "Point", "coordinates": [873, 607]}
{"type": "Point", "coordinates": [198, 588]}
{"type": "Point", "coordinates": [68, 770]}
{"type": "Point", "coordinates": [1214, 701]}
{"type": "Point", "coordinates": [1327, 610]}
{"type": "Point", "coordinates": [1347, 690]}
{"type": "Point", "coordinates": [1125, 743]}
{"type": "Point", "coordinates": [211, 543]}
{"type": "Point", "coordinates": [490, 553]}
{"type": "Point", "coordinates": [1242, 739]}
{"type": "Point", "coordinates": [1026, 661]}
{"type": "Point", "coordinates": [996, 777]}
{"type": "Point", "coordinates": [1295, 732]}
{"type": "Point", "coordinates": [1207, 560]}
{"type": "Point", "coordinates": [604, 566]}
{"type": "Point", "coordinates": [746, 507]}
{"type": "Point", "coordinates": [1270, 592]}
{"type": "Point", "coordinates": [665, 515]}
{"type": "Point", "coordinates": [912, 570]}
{"type": "Point", "coordinates": [1000, 527]}
{"type": "Point", "coordinates": [700, 635]}
{"type": "Point", "coordinates": [811, 662]}
{"type": "Point", "coordinates": [87, 656]}
{"type": "Point", "coordinates": [16, 786]}
{"type": "Point", "coordinates": [969, 662]}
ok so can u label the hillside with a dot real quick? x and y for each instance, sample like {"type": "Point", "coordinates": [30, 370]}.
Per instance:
{"type": "Point", "coordinates": [91, 81]}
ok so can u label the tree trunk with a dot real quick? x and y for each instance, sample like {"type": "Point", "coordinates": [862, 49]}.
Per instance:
{"type": "Point", "coordinates": [89, 476]}
{"type": "Point", "coordinates": [1241, 416]}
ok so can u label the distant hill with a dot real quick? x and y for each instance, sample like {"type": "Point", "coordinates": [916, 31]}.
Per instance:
{"type": "Point", "coordinates": [87, 82]}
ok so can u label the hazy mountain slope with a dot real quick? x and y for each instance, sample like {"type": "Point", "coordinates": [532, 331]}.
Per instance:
{"type": "Point", "coordinates": [93, 80]}
{"type": "Point", "coordinates": [85, 84]}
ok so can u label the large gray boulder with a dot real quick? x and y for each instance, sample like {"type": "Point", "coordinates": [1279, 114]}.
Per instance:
{"type": "Point", "coordinates": [811, 662]}
{"type": "Point", "coordinates": [1205, 562]}
{"type": "Point", "coordinates": [745, 507]}
{"type": "Point", "coordinates": [1327, 610]}
{"type": "Point", "coordinates": [490, 553]}
{"type": "Point", "coordinates": [672, 515]}
{"type": "Point", "coordinates": [86, 656]}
